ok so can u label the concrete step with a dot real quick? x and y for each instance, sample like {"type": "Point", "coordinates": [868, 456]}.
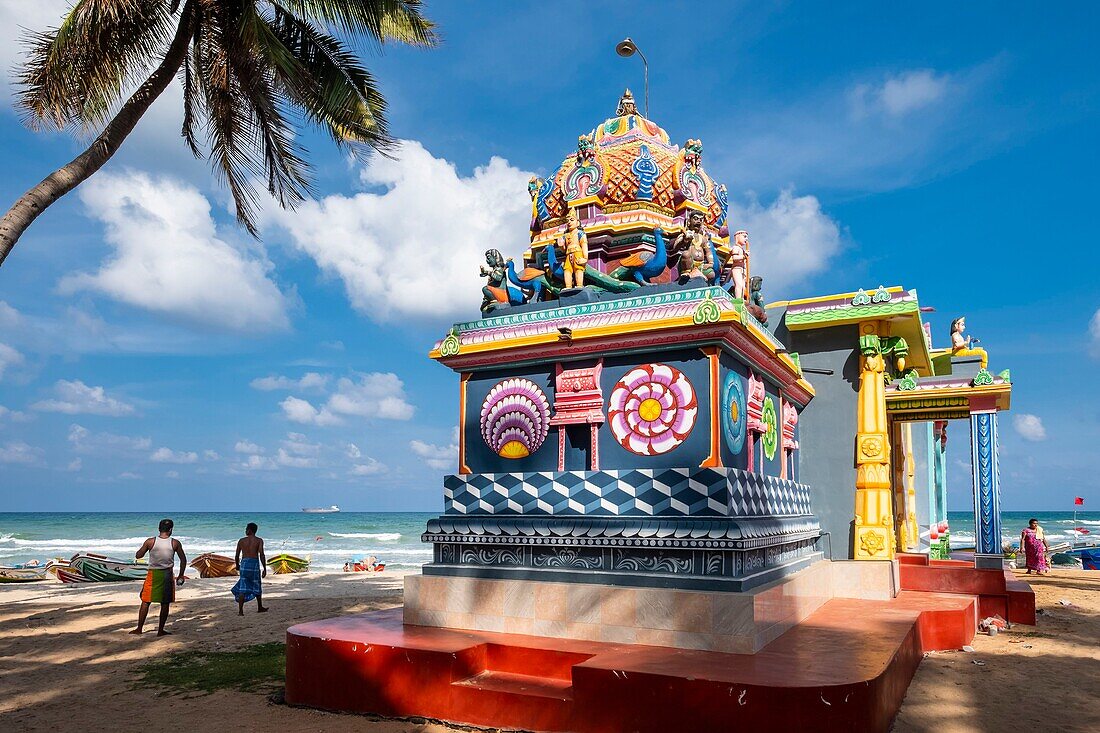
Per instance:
{"type": "Point", "coordinates": [514, 683]}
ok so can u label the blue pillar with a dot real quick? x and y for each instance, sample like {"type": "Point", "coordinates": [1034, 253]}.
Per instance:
{"type": "Point", "coordinates": [987, 500]}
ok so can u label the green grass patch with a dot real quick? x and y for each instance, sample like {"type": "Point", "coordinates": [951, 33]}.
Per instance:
{"type": "Point", "coordinates": [254, 668]}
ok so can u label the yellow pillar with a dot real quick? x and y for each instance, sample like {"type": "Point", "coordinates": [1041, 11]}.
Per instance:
{"type": "Point", "coordinates": [911, 526]}
{"type": "Point", "coordinates": [874, 521]}
{"type": "Point", "coordinates": [907, 532]}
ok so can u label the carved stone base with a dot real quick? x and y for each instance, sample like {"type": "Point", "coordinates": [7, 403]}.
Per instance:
{"type": "Point", "coordinates": [714, 554]}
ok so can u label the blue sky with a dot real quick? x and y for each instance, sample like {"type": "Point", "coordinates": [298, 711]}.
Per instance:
{"type": "Point", "coordinates": [152, 356]}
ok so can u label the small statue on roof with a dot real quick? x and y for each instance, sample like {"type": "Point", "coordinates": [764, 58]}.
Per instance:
{"type": "Point", "coordinates": [692, 251]}
{"type": "Point", "coordinates": [626, 105]}
{"type": "Point", "coordinates": [959, 340]}
{"type": "Point", "coordinates": [693, 153]}
{"type": "Point", "coordinates": [736, 264]}
{"type": "Point", "coordinates": [755, 302]}
{"type": "Point", "coordinates": [497, 290]}
{"type": "Point", "coordinates": [586, 149]}
{"type": "Point", "coordinates": [575, 243]}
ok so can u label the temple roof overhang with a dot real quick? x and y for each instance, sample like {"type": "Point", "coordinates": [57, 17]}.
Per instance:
{"type": "Point", "coordinates": [896, 306]}
{"type": "Point", "coordinates": [627, 323]}
{"type": "Point", "coordinates": [948, 398]}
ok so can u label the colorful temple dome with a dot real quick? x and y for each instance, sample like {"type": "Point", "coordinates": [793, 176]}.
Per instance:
{"type": "Point", "coordinates": [625, 172]}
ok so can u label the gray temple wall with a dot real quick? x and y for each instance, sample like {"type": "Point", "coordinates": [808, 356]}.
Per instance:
{"type": "Point", "coordinates": [827, 427]}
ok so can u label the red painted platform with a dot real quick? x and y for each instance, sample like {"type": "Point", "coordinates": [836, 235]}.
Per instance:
{"type": "Point", "coordinates": [846, 667]}
{"type": "Point", "coordinates": [999, 592]}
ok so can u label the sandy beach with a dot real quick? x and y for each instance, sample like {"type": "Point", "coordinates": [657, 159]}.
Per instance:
{"type": "Point", "coordinates": [68, 662]}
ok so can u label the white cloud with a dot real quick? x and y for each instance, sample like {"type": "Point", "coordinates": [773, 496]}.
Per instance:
{"type": "Point", "coordinates": [441, 458]}
{"type": "Point", "coordinates": [247, 446]}
{"type": "Point", "coordinates": [413, 251]}
{"type": "Point", "coordinates": [308, 381]}
{"type": "Point", "coordinates": [8, 357]}
{"type": "Point", "coordinates": [13, 415]}
{"type": "Point", "coordinates": [1030, 427]}
{"type": "Point", "coordinates": [370, 468]}
{"type": "Point", "coordinates": [302, 411]}
{"type": "Point", "coordinates": [129, 476]}
{"type": "Point", "coordinates": [299, 445]}
{"type": "Point", "coordinates": [172, 474]}
{"type": "Point", "coordinates": [76, 398]}
{"type": "Point", "coordinates": [352, 450]}
{"type": "Point", "coordinates": [18, 451]}
{"type": "Point", "coordinates": [1094, 334]}
{"type": "Point", "coordinates": [167, 455]}
{"type": "Point", "coordinates": [15, 16]}
{"type": "Point", "coordinates": [376, 394]}
{"type": "Point", "coordinates": [899, 94]}
{"type": "Point", "coordinates": [168, 258]}
{"type": "Point", "coordinates": [257, 463]}
{"type": "Point", "coordinates": [76, 464]}
{"type": "Point", "coordinates": [789, 239]}
{"type": "Point", "coordinates": [286, 458]}
{"type": "Point", "coordinates": [85, 441]}
{"type": "Point", "coordinates": [210, 455]}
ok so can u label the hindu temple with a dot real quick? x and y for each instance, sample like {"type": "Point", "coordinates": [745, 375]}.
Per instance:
{"type": "Point", "coordinates": [677, 506]}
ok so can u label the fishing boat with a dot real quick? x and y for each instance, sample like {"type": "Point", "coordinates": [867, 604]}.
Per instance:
{"type": "Point", "coordinates": [286, 563]}
{"type": "Point", "coordinates": [21, 574]}
{"type": "Point", "coordinates": [212, 565]}
{"type": "Point", "coordinates": [321, 509]}
{"type": "Point", "coordinates": [102, 569]}
{"type": "Point", "coordinates": [61, 570]}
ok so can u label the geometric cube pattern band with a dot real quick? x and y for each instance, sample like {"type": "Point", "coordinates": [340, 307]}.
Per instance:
{"type": "Point", "coordinates": [653, 492]}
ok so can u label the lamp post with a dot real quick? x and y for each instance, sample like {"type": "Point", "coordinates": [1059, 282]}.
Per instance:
{"type": "Point", "coordinates": [627, 48]}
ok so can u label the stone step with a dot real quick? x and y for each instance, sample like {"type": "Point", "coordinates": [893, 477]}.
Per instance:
{"type": "Point", "coordinates": [514, 683]}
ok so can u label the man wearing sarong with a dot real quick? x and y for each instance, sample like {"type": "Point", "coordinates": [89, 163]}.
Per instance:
{"type": "Point", "coordinates": [249, 560]}
{"type": "Point", "coordinates": [160, 585]}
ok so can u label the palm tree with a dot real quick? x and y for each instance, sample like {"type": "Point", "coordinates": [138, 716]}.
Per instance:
{"type": "Point", "coordinates": [252, 70]}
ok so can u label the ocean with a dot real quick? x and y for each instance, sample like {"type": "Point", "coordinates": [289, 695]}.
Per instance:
{"type": "Point", "coordinates": [330, 540]}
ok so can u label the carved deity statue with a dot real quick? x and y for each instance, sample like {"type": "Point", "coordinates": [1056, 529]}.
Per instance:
{"type": "Point", "coordinates": [737, 263]}
{"type": "Point", "coordinates": [958, 339]}
{"type": "Point", "coordinates": [586, 148]}
{"type": "Point", "coordinates": [692, 251]}
{"type": "Point", "coordinates": [755, 284]}
{"type": "Point", "coordinates": [626, 105]}
{"type": "Point", "coordinates": [496, 270]}
{"type": "Point", "coordinates": [575, 243]}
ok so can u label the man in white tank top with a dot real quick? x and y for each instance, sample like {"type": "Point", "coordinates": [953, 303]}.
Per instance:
{"type": "Point", "coordinates": [160, 586]}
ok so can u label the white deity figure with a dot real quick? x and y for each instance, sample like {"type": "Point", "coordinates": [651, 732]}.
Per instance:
{"type": "Point", "coordinates": [737, 262]}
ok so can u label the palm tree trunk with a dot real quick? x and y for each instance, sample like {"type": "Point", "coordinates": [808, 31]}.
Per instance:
{"type": "Point", "coordinates": [31, 204]}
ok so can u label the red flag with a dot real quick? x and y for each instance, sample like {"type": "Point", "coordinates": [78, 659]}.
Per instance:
{"type": "Point", "coordinates": [1082, 530]}
{"type": "Point", "coordinates": [1078, 501]}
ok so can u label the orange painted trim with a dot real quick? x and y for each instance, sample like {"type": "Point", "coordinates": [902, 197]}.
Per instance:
{"type": "Point", "coordinates": [463, 469]}
{"type": "Point", "coordinates": [714, 460]}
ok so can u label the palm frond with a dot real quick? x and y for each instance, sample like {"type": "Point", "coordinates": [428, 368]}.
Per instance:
{"type": "Point", "coordinates": [76, 73]}
{"type": "Point", "coordinates": [379, 21]}
{"type": "Point", "coordinates": [326, 81]}
{"type": "Point", "coordinates": [247, 128]}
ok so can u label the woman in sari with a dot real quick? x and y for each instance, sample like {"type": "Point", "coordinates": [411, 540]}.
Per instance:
{"type": "Point", "coordinates": [1033, 543]}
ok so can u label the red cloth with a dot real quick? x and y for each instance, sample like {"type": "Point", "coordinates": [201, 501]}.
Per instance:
{"type": "Point", "coordinates": [1078, 501]}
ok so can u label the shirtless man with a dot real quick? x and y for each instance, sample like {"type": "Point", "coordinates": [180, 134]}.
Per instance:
{"type": "Point", "coordinates": [251, 549]}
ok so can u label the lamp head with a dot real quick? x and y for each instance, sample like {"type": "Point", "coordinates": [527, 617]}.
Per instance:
{"type": "Point", "coordinates": [626, 48]}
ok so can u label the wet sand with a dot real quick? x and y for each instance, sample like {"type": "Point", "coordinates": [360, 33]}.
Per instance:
{"type": "Point", "coordinates": [67, 663]}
